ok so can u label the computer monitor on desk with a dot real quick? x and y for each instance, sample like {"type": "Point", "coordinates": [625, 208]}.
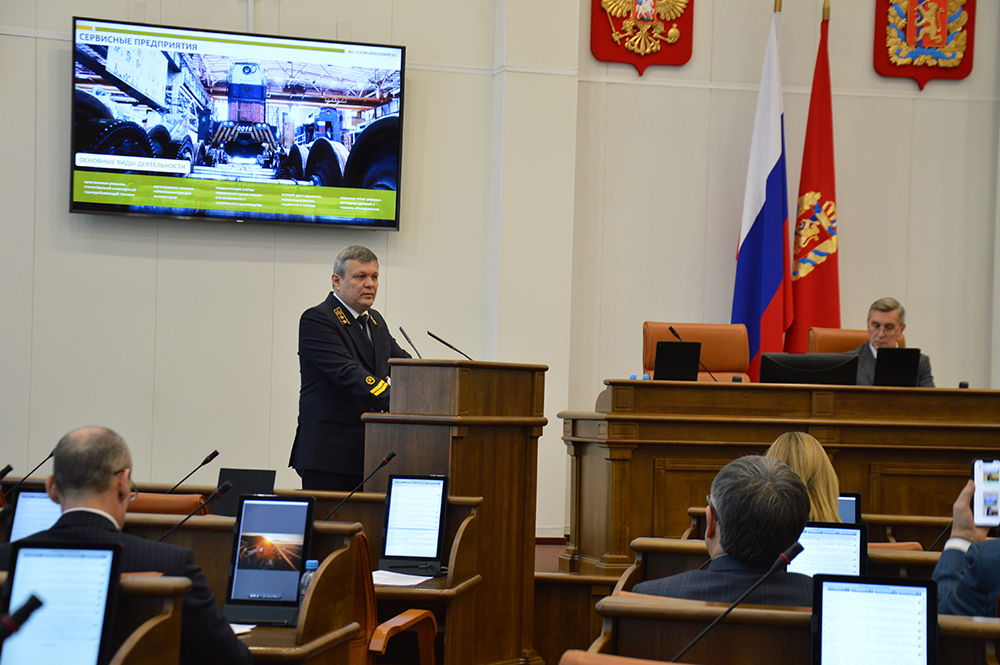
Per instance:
{"type": "Point", "coordinates": [820, 368]}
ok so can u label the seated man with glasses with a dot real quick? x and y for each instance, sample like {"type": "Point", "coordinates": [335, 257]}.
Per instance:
{"type": "Point", "coordinates": [757, 510]}
{"type": "Point", "coordinates": [92, 482]}
{"type": "Point", "coordinates": [886, 322]}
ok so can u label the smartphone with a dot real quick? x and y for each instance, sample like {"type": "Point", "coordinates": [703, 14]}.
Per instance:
{"type": "Point", "coordinates": [986, 475]}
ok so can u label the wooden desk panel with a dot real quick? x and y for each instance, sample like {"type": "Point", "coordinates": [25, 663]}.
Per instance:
{"type": "Point", "coordinates": [652, 448]}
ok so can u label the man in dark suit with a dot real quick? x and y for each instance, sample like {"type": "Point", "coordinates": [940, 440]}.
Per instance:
{"type": "Point", "coordinates": [886, 322]}
{"type": "Point", "coordinates": [92, 482]}
{"type": "Point", "coordinates": [968, 572]}
{"type": "Point", "coordinates": [344, 351]}
{"type": "Point", "coordinates": [757, 510]}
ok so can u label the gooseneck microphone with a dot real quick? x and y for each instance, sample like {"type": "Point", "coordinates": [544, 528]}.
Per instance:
{"type": "Point", "coordinates": [674, 333]}
{"type": "Point", "coordinates": [783, 560]}
{"type": "Point", "coordinates": [215, 453]}
{"type": "Point", "coordinates": [385, 460]}
{"type": "Point", "coordinates": [412, 345]}
{"type": "Point", "coordinates": [11, 623]}
{"type": "Point", "coordinates": [219, 491]}
{"type": "Point", "coordinates": [7, 469]}
{"type": "Point", "coordinates": [27, 475]}
{"type": "Point", "coordinates": [448, 345]}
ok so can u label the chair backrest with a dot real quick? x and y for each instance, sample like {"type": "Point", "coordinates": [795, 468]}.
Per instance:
{"type": "Point", "coordinates": [725, 348]}
{"type": "Point", "coordinates": [838, 340]}
{"type": "Point", "coordinates": [168, 504]}
{"type": "Point", "coordinates": [365, 611]}
{"type": "Point", "coordinates": [577, 657]}
{"type": "Point", "coordinates": [155, 640]}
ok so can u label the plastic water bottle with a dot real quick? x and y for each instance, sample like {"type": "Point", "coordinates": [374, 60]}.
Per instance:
{"type": "Point", "coordinates": [307, 577]}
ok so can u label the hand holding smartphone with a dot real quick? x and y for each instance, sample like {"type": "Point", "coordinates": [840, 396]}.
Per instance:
{"type": "Point", "coordinates": [985, 509]}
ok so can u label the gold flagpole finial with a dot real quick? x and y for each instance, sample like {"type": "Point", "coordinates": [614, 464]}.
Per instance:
{"type": "Point", "coordinates": [777, 5]}
{"type": "Point", "coordinates": [826, 10]}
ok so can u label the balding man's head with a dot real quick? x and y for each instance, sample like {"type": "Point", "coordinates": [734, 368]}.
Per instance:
{"type": "Point", "coordinates": [86, 461]}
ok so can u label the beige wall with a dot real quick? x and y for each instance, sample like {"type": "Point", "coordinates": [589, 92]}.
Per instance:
{"type": "Point", "coordinates": [550, 204]}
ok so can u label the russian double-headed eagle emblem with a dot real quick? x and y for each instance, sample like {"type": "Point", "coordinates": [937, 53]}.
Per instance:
{"type": "Point", "coordinates": [924, 39]}
{"type": "Point", "coordinates": [642, 32]}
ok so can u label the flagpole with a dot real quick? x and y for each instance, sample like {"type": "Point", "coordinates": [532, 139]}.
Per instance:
{"type": "Point", "coordinates": [777, 5]}
{"type": "Point", "coordinates": [826, 10]}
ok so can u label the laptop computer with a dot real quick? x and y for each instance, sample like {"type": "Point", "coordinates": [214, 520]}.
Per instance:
{"type": "Point", "coordinates": [897, 367]}
{"type": "Point", "coordinates": [33, 512]}
{"type": "Point", "coordinates": [874, 620]}
{"type": "Point", "coordinates": [271, 543]}
{"type": "Point", "coordinates": [833, 548]}
{"type": "Point", "coordinates": [245, 481]}
{"type": "Point", "coordinates": [78, 586]}
{"type": "Point", "coordinates": [849, 507]}
{"type": "Point", "coordinates": [676, 361]}
{"type": "Point", "coordinates": [413, 532]}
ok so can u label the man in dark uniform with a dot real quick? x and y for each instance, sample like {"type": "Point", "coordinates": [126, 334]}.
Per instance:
{"type": "Point", "coordinates": [344, 352]}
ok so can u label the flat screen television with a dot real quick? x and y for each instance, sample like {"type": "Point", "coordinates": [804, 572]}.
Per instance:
{"type": "Point", "coordinates": [232, 126]}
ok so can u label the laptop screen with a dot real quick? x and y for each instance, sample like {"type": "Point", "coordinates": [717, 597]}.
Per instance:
{"type": "Point", "coordinates": [833, 548]}
{"type": "Point", "coordinates": [34, 512]}
{"type": "Point", "coordinates": [270, 548]}
{"type": "Point", "coordinates": [897, 367]}
{"type": "Point", "coordinates": [414, 523]}
{"type": "Point", "coordinates": [78, 588]}
{"type": "Point", "coordinates": [874, 620]}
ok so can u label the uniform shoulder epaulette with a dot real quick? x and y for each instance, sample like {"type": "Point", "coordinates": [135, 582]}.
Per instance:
{"type": "Point", "coordinates": [343, 317]}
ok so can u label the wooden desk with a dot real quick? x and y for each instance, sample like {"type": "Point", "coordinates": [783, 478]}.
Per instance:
{"type": "Point", "coordinates": [651, 449]}
{"type": "Point", "coordinates": [451, 598]}
{"type": "Point", "coordinates": [922, 529]}
{"type": "Point", "coordinates": [662, 557]}
{"type": "Point", "coordinates": [657, 628]}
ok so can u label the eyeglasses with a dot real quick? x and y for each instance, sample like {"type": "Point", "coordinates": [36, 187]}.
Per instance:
{"type": "Point", "coordinates": [135, 490]}
{"type": "Point", "coordinates": [715, 513]}
{"type": "Point", "coordinates": [888, 328]}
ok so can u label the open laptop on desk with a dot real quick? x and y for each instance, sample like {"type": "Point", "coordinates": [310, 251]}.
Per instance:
{"type": "Point", "coordinates": [245, 481]}
{"type": "Point", "coordinates": [78, 586]}
{"type": "Point", "coordinates": [897, 367]}
{"type": "Point", "coordinates": [676, 361]}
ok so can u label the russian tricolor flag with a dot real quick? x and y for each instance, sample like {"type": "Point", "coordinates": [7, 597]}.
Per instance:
{"type": "Point", "coordinates": [762, 299]}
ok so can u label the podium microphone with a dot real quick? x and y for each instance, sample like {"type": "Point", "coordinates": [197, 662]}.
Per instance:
{"type": "Point", "coordinates": [11, 623]}
{"type": "Point", "coordinates": [215, 453]}
{"type": "Point", "coordinates": [385, 460]}
{"type": "Point", "coordinates": [410, 342]}
{"type": "Point", "coordinates": [7, 469]}
{"type": "Point", "coordinates": [448, 345]}
{"type": "Point", "coordinates": [674, 333]}
{"type": "Point", "coordinates": [219, 491]}
{"type": "Point", "coordinates": [783, 560]}
{"type": "Point", "coordinates": [18, 483]}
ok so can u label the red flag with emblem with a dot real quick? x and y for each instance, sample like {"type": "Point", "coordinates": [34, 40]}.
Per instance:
{"type": "Point", "coordinates": [815, 275]}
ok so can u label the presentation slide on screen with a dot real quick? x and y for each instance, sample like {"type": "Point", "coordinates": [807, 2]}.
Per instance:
{"type": "Point", "coordinates": [197, 123]}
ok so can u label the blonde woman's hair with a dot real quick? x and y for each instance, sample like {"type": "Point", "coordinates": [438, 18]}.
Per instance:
{"type": "Point", "coordinates": [807, 458]}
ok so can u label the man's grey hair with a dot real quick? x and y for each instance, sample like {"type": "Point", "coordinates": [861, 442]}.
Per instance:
{"type": "Point", "coordinates": [358, 253]}
{"type": "Point", "coordinates": [888, 305]}
{"type": "Point", "coordinates": [761, 506]}
{"type": "Point", "coordinates": [85, 461]}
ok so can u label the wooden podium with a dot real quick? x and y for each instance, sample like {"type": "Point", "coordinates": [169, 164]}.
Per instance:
{"type": "Point", "coordinates": [479, 423]}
